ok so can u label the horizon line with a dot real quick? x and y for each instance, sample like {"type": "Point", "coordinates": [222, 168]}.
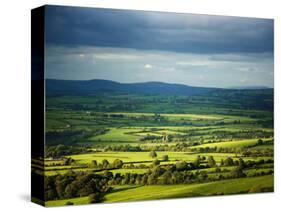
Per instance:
{"type": "Point", "coordinates": [172, 83]}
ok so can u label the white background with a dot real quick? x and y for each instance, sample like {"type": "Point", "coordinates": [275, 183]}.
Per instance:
{"type": "Point", "coordinates": [15, 104]}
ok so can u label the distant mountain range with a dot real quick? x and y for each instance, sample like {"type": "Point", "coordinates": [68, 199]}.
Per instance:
{"type": "Point", "coordinates": [89, 87]}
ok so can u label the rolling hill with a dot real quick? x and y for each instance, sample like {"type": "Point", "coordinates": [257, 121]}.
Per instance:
{"type": "Point", "coordinates": [89, 87]}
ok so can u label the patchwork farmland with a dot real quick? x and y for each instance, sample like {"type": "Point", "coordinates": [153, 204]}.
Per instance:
{"type": "Point", "coordinates": [113, 147]}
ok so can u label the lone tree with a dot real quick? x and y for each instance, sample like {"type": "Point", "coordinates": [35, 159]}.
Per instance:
{"type": "Point", "coordinates": [237, 172]}
{"type": "Point", "coordinates": [260, 142]}
{"type": "Point", "coordinates": [181, 165]}
{"type": "Point", "coordinates": [241, 163]}
{"type": "Point", "coordinates": [211, 161]}
{"type": "Point", "coordinates": [68, 161]}
{"type": "Point", "coordinates": [169, 138]}
{"type": "Point", "coordinates": [228, 161]}
{"type": "Point", "coordinates": [165, 158]}
{"type": "Point", "coordinates": [117, 163]}
{"type": "Point", "coordinates": [156, 162]}
{"type": "Point", "coordinates": [105, 163]}
{"type": "Point", "coordinates": [222, 162]}
{"type": "Point", "coordinates": [153, 154]}
{"type": "Point", "coordinates": [197, 161]}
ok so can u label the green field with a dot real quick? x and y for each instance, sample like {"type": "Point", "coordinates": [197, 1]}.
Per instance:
{"type": "Point", "coordinates": [137, 193]}
{"type": "Point", "coordinates": [231, 144]}
{"type": "Point", "coordinates": [141, 156]}
{"type": "Point", "coordinates": [204, 189]}
{"type": "Point", "coordinates": [117, 134]}
{"type": "Point", "coordinates": [130, 147]}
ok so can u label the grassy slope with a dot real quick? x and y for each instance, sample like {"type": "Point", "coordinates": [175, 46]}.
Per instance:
{"type": "Point", "coordinates": [117, 134]}
{"type": "Point", "coordinates": [204, 189]}
{"type": "Point", "coordinates": [232, 144]}
{"type": "Point", "coordinates": [142, 156]}
{"type": "Point", "coordinates": [135, 193]}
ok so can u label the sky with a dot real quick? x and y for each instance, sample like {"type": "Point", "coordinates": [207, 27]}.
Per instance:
{"type": "Point", "coordinates": [136, 46]}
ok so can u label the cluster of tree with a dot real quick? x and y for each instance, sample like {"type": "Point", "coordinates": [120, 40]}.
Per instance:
{"type": "Point", "coordinates": [260, 173]}
{"type": "Point", "coordinates": [241, 134]}
{"type": "Point", "coordinates": [96, 185]}
{"type": "Point", "coordinates": [257, 153]}
{"type": "Point", "coordinates": [117, 115]}
{"type": "Point", "coordinates": [245, 152]}
{"type": "Point", "coordinates": [179, 147]}
{"type": "Point", "coordinates": [221, 135]}
{"type": "Point", "coordinates": [153, 154]}
{"type": "Point", "coordinates": [179, 173]}
{"type": "Point", "coordinates": [150, 137]}
{"type": "Point", "coordinates": [261, 142]}
{"type": "Point", "coordinates": [199, 163]}
{"type": "Point", "coordinates": [68, 161]}
{"type": "Point", "coordinates": [126, 106]}
{"type": "Point", "coordinates": [156, 176]}
{"type": "Point", "coordinates": [216, 136]}
{"type": "Point", "coordinates": [123, 148]}
{"type": "Point", "coordinates": [77, 184]}
{"type": "Point", "coordinates": [134, 166]}
{"type": "Point", "coordinates": [261, 99]}
{"type": "Point", "coordinates": [116, 164]}
{"type": "Point", "coordinates": [244, 164]}
{"type": "Point", "coordinates": [214, 149]}
{"type": "Point", "coordinates": [61, 150]}
{"type": "Point", "coordinates": [185, 146]}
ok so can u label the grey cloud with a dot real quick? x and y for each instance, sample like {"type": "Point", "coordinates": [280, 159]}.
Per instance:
{"type": "Point", "coordinates": [71, 26]}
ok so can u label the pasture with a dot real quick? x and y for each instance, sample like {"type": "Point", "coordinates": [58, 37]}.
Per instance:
{"type": "Point", "coordinates": [137, 193]}
{"type": "Point", "coordinates": [149, 147]}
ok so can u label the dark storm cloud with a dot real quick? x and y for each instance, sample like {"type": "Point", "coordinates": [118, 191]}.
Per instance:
{"type": "Point", "coordinates": [72, 26]}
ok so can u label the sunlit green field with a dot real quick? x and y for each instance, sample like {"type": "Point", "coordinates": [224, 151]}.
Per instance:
{"type": "Point", "coordinates": [231, 144]}
{"type": "Point", "coordinates": [87, 135]}
{"type": "Point", "coordinates": [143, 156]}
{"type": "Point", "coordinates": [136, 193]}
{"type": "Point", "coordinates": [135, 158]}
